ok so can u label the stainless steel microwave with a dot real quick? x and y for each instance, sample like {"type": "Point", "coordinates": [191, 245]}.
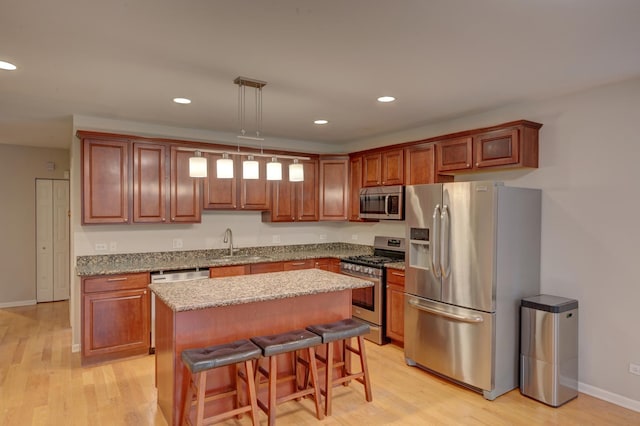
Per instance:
{"type": "Point", "coordinates": [382, 202]}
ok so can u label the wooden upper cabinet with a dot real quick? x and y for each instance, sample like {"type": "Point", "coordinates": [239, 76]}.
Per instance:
{"type": "Point", "coordinates": [334, 184]}
{"type": "Point", "coordinates": [383, 168]}
{"type": "Point", "coordinates": [149, 183]}
{"type": "Point", "coordinates": [295, 201]}
{"type": "Point", "coordinates": [255, 194]}
{"type": "Point", "coordinates": [497, 148]}
{"type": "Point", "coordinates": [355, 184]}
{"type": "Point", "coordinates": [105, 181]}
{"type": "Point", "coordinates": [420, 164]}
{"type": "Point", "coordinates": [185, 190]}
{"type": "Point", "coordinates": [218, 193]}
{"type": "Point", "coordinates": [455, 154]}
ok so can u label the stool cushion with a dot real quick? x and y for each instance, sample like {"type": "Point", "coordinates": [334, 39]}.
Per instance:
{"type": "Point", "coordinates": [340, 330]}
{"type": "Point", "coordinates": [286, 342]}
{"type": "Point", "coordinates": [202, 359]}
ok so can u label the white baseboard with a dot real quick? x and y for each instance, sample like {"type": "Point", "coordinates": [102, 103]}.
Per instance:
{"type": "Point", "coordinates": [75, 347]}
{"type": "Point", "coordinates": [17, 303]}
{"type": "Point", "coordinates": [614, 398]}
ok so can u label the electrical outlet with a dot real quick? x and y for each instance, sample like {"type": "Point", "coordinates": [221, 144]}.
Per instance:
{"type": "Point", "coordinates": [101, 246]}
{"type": "Point", "coordinates": [177, 243]}
{"type": "Point", "coordinates": [634, 368]}
{"type": "Point", "coordinates": [323, 237]}
{"type": "Point", "coordinates": [354, 237]}
{"type": "Point", "coordinates": [276, 239]}
{"type": "Point", "coordinates": [113, 246]}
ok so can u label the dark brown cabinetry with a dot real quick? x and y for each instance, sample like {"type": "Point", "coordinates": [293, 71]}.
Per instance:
{"type": "Point", "coordinates": [507, 146]}
{"type": "Point", "coordinates": [293, 265]}
{"type": "Point", "coordinates": [149, 183]}
{"type": "Point", "coordinates": [228, 271]}
{"type": "Point", "coordinates": [115, 316]}
{"type": "Point", "coordinates": [105, 181]}
{"type": "Point", "coordinates": [219, 193]}
{"type": "Point", "coordinates": [395, 305]}
{"type": "Point", "coordinates": [295, 201]}
{"type": "Point", "coordinates": [419, 164]}
{"type": "Point", "coordinates": [261, 268]}
{"type": "Point", "coordinates": [383, 168]}
{"type": "Point", "coordinates": [333, 186]}
{"type": "Point", "coordinates": [355, 184]}
{"type": "Point", "coordinates": [330, 264]}
{"type": "Point", "coordinates": [185, 190]}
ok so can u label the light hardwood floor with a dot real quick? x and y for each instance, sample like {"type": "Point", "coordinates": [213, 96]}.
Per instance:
{"type": "Point", "coordinates": [42, 383]}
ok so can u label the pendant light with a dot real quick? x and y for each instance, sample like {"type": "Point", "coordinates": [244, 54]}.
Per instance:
{"type": "Point", "coordinates": [296, 171]}
{"type": "Point", "coordinates": [274, 169]}
{"type": "Point", "coordinates": [250, 168]}
{"type": "Point", "coordinates": [198, 165]}
{"type": "Point", "coordinates": [224, 167]}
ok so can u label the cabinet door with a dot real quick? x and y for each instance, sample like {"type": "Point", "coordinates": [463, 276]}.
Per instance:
{"type": "Point", "coordinates": [334, 181]}
{"type": "Point", "coordinates": [149, 183]}
{"type": "Point", "coordinates": [328, 264]}
{"type": "Point", "coordinates": [283, 198]}
{"type": "Point", "coordinates": [115, 324]}
{"type": "Point", "coordinates": [454, 154]}
{"type": "Point", "coordinates": [371, 170]}
{"type": "Point", "coordinates": [228, 271]}
{"type": "Point", "coordinates": [393, 167]}
{"type": "Point", "coordinates": [105, 181]}
{"type": "Point", "coordinates": [419, 162]}
{"type": "Point", "coordinates": [219, 193]}
{"type": "Point", "coordinates": [255, 193]}
{"type": "Point", "coordinates": [306, 193]}
{"type": "Point", "coordinates": [497, 148]}
{"type": "Point", "coordinates": [185, 190]}
{"type": "Point", "coordinates": [395, 313]}
{"type": "Point", "coordinates": [355, 183]}
{"type": "Point", "coordinates": [260, 268]}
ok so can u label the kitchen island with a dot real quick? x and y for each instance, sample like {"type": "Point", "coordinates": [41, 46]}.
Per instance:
{"type": "Point", "coordinates": [213, 311]}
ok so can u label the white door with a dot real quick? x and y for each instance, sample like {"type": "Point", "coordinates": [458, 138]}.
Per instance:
{"type": "Point", "coordinates": [52, 240]}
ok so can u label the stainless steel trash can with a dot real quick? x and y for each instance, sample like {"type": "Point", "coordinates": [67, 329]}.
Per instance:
{"type": "Point", "coordinates": [549, 349]}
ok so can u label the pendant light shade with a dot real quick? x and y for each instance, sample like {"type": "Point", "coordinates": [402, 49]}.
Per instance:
{"type": "Point", "coordinates": [274, 169]}
{"type": "Point", "coordinates": [250, 168]}
{"type": "Point", "coordinates": [198, 166]}
{"type": "Point", "coordinates": [296, 172]}
{"type": "Point", "coordinates": [224, 167]}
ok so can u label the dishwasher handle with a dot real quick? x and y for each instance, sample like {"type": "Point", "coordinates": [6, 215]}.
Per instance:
{"type": "Point", "coordinates": [463, 318]}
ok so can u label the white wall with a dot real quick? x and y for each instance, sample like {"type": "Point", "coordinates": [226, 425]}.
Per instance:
{"type": "Point", "coordinates": [589, 175]}
{"type": "Point", "coordinates": [19, 168]}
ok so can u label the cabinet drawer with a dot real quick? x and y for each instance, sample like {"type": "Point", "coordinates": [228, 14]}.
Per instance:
{"type": "Point", "coordinates": [228, 271]}
{"type": "Point", "coordinates": [259, 268]}
{"type": "Point", "coordinates": [292, 265]}
{"type": "Point", "coordinates": [115, 282]}
{"type": "Point", "coordinates": [395, 277]}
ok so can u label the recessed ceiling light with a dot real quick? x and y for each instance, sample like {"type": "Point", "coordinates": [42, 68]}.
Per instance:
{"type": "Point", "coordinates": [320, 121]}
{"type": "Point", "coordinates": [386, 99]}
{"type": "Point", "coordinates": [183, 101]}
{"type": "Point", "coordinates": [7, 66]}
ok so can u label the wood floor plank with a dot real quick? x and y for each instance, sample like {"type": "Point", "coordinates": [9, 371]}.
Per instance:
{"type": "Point", "coordinates": [43, 383]}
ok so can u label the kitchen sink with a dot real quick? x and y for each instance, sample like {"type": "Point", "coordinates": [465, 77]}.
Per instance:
{"type": "Point", "coordinates": [242, 258]}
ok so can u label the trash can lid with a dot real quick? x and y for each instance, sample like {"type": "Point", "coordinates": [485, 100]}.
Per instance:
{"type": "Point", "coordinates": [548, 303]}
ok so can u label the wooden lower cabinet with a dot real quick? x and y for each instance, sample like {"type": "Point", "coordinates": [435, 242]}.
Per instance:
{"type": "Point", "coordinates": [228, 271]}
{"type": "Point", "coordinates": [116, 317]}
{"type": "Point", "coordinates": [330, 264]}
{"type": "Point", "coordinates": [293, 265]}
{"type": "Point", "coordinates": [261, 268]}
{"type": "Point", "coordinates": [395, 305]}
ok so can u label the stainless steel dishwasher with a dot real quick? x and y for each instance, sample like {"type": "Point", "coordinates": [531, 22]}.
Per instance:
{"type": "Point", "coordinates": [169, 277]}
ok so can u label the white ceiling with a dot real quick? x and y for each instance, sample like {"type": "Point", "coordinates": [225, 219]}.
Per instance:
{"type": "Point", "coordinates": [126, 59]}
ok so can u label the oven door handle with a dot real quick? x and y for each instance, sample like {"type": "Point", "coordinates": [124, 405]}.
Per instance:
{"type": "Point", "coordinates": [463, 318]}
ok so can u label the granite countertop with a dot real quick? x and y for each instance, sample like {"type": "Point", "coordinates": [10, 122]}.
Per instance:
{"type": "Point", "coordinates": [176, 260]}
{"type": "Point", "coordinates": [395, 265]}
{"type": "Point", "coordinates": [216, 292]}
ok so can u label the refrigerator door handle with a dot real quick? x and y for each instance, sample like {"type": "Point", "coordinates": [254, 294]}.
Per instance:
{"type": "Point", "coordinates": [435, 248]}
{"type": "Point", "coordinates": [444, 242]}
{"type": "Point", "coordinates": [463, 318]}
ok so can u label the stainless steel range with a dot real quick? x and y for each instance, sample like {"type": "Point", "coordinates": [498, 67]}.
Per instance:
{"type": "Point", "coordinates": [369, 303]}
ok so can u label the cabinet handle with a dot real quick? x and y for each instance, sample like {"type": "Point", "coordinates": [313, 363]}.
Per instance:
{"type": "Point", "coordinates": [117, 279]}
{"type": "Point", "coordinates": [124, 220]}
{"type": "Point", "coordinates": [145, 292]}
{"type": "Point", "coordinates": [397, 274]}
{"type": "Point", "coordinates": [467, 164]}
{"type": "Point", "coordinates": [477, 164]}
{"type": "Point", "coordinates": [163, 219]}
{"type": "Point", "coordinates": [173, 219]}
{"type": "Point", "coordinates": [297, 263]}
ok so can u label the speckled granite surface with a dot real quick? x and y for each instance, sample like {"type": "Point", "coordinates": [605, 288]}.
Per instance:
{"type": "Point", "coordinates": [395, 265]}
{"type": "Point", "coordinates": [174, 260]}
{"type": "Point", "coordinates": [216, 292]}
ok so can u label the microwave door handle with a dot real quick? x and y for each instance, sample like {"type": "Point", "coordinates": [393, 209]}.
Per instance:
{"type": "Point", "coordinates": [445, 237]}
{"type": "Point", "coordinates": [386, 205]}
{"type": "Point", "coordinates": [435, 247]}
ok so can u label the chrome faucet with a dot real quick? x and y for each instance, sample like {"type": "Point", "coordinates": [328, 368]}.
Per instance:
{"type": "Point", "coordinates": [228, 238]}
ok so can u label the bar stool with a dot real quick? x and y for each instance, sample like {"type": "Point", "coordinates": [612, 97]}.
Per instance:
{"type": "Point", "coordinates": [289, 342]}
{"type": "Point", "coordinates": [200, 361]}
{"type": "Point", "coordinates": [341, 332]}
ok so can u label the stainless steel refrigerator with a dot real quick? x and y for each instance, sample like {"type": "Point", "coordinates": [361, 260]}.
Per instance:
{"type": "Point", "coordinates": [474, 253]}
